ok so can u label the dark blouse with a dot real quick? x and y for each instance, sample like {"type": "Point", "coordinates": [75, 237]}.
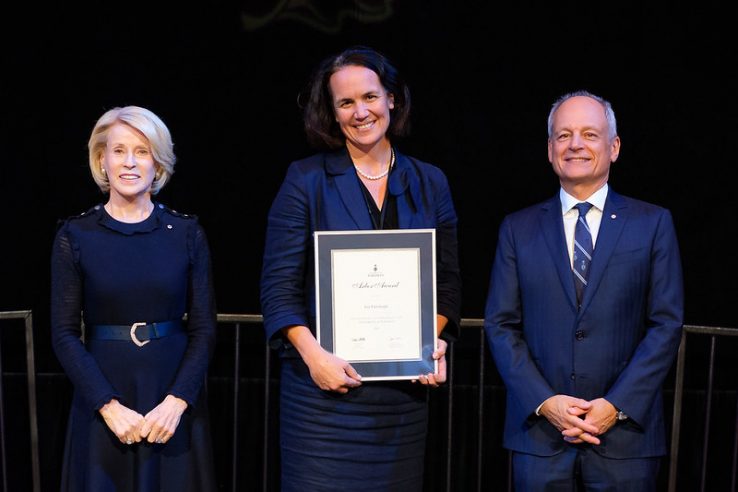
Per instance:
{"type": "Point", "coordinates": [385, 218]}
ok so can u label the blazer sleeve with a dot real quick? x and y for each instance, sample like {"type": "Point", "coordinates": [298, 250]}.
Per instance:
{"type": "Point", "coordinates": [448, 275]}
{"type": "Point", "coordinates": [285, 256]}
{"type": "Point", "coordinates": [504, 330]}
{"type": "Point", "coordinates": [641, 380]}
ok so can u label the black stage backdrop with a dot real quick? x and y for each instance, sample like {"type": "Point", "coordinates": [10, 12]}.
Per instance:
{"type": "Point", "coordinates": [225, 76]}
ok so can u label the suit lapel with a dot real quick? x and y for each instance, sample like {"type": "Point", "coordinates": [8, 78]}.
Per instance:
{"type": "Point", "coordinates": [613, 220]}
{"type": "Point", "coordinates": [552, 224]}
{"type": "Point", "coordinates": [339, 166]}
{"type": "Point", "coordinates": [400, 180]}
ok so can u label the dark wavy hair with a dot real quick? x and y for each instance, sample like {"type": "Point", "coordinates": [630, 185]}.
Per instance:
{"type": "Point", "coordinates": [319, 118]}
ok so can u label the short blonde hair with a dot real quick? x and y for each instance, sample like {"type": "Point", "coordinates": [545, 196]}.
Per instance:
{"type": "Point", "coordinates": [151, 126]}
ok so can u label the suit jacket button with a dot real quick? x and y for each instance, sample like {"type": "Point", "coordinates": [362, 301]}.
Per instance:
{"type": "Point", "coordinates": [573, 376]}
{"type": "Point", "coordinates": [579, 334]}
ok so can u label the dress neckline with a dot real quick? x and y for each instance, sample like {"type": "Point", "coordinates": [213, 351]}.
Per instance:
{"type": "Point", "coordinates": [149, 224]}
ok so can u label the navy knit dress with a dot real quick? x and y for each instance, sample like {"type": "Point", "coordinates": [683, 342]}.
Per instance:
{"type": "Point", "coordinates": [109, 272]}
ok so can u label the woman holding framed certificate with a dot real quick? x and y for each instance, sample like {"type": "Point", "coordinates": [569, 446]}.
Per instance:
{"type": "Point", "coordinates": [337, 432]}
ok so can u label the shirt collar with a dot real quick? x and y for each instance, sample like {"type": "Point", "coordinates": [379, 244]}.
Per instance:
{"type": "Point", "coordinates": [597, 199]}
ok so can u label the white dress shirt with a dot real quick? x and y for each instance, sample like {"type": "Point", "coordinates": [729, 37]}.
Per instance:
{"type": "Point", "coordinates": [593, 217]}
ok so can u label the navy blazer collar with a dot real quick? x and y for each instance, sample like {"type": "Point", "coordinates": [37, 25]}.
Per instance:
{"type": "Point", "coordinates": [339, 165]}
{"type": "Point", "coordinates": [613, 219]}
{"type": "Point", "coordinates": [552, 224]}
{"type": "Point", "coordinates": [402, 177]}
{"type": "Point", "coordinates": [339, 162]}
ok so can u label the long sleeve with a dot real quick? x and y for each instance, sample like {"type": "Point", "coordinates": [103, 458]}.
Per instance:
{"type": "Point", "coordinates": [201, 320]}
{"type": "Point", "coordinates": [66, 305]}
{"type": "Point", "coordinates": [285, 255]}
{"type": "Point", "coordinates": [640, 382]}
{"type": "Point", "coordinates": [448, 275]}
{"type": "Point", "coordinates": [503, 323]}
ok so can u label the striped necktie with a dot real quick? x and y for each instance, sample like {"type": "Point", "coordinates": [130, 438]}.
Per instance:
{"type": "Point", "coordinates": [582, 250]}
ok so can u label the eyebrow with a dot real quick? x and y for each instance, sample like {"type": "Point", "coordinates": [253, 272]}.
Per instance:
{"type": "Point", "coordinates": [367, 93]}
{"type": "Point", "coordinates": [136, 146]}
{"type": "Point", "coordinates": [583, 129]}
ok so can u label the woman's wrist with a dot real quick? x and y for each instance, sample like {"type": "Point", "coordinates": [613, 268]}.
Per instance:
{"type": "Point", "coordinates": [178, 401]}
{"type": "Point", "coordinates": [303, 340]}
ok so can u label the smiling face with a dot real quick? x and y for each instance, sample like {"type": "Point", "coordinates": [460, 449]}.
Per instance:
{"type": "Point", "coordinates": [128, 163]}
{"type": "Point", "coordinates": [579, 147]}
{"type": "Point", "coordinates": [361, 105]}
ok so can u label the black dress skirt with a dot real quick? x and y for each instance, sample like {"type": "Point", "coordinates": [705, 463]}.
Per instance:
{"type": "Point", "coordinates": [333, 442]}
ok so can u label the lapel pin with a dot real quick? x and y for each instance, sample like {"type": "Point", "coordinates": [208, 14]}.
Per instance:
{"type": "Point", "coordinates": [613, 216]}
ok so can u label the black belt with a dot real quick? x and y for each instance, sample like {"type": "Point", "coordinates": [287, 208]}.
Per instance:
{"type": "Point", "coordinates": [139, 333]}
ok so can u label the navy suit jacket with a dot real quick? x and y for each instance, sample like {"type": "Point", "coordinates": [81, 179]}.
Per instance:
{"type": "Point", "coordinates": [619, 345]}
{"type": "Point", "coordinates": [323, 193]}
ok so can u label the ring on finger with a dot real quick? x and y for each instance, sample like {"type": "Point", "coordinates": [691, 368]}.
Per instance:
{"type": "Point", "coordinates": [129, 441]}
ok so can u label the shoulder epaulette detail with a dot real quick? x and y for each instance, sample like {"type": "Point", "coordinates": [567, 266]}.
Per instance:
{"type": "Point", "coordinates": [175, 213]}
{"type": "Point", "coordinates": [87, 212]}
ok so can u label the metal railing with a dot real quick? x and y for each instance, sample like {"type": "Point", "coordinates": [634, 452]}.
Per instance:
{"type": "Point", "coordinates": [238, 320]}
{"type": "Point", "coordinates": [27, 317]}
{"type": "Point", "coordinates": [468, 323]}
{"type": "Point", "coordinates": [713, 333]}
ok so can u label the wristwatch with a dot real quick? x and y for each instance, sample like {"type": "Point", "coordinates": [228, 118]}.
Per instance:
{"type": "Point", "coordinates": [621, 415]}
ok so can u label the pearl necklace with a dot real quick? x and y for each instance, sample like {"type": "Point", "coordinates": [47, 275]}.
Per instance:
{"type": "Point", "coordinates": [378, 176]}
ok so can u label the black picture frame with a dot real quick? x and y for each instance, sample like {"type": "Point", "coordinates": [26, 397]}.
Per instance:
{"type": "Point", "coordinates": [422, 241]}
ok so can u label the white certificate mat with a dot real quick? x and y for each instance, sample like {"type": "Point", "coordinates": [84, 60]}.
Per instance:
{"type": "Point", "coordinates": [376, 300]}
{"type": "Point", "coordinates": [376, 304]}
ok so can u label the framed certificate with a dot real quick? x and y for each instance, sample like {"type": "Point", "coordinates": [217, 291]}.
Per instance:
{"type": "Point", "coordinates": [376, 300]}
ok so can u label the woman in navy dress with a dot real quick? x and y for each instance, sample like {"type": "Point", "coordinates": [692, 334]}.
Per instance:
{"type": "Point", "coordinates": [130, 269]}
{"type": "Point", "coordinates": [338, 433]}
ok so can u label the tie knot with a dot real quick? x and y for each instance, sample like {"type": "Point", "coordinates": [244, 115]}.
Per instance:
{"type": "Point", "coordinates": [583, 208]}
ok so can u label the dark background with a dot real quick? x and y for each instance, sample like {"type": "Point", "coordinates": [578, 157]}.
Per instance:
{"type": "Point", "coordinates": [225, 77]}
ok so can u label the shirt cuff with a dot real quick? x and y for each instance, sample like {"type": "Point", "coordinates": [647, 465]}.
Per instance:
{"type": "Point", "coordinates": [538, 409]}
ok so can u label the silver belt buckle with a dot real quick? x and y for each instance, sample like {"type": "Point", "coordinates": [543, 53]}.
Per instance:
{"type": "Point", "coordinates": [133, 334]}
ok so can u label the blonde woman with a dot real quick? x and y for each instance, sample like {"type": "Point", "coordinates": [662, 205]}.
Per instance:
{"type": "Point", "coordinates": [130, 269]}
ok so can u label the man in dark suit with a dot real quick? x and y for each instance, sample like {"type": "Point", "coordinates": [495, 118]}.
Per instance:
{"type": "Point", "coordinates": [584, 318]}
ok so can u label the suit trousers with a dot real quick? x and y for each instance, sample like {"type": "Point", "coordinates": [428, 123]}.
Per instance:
{"type": "Point", "coordinates": [581, 468]}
